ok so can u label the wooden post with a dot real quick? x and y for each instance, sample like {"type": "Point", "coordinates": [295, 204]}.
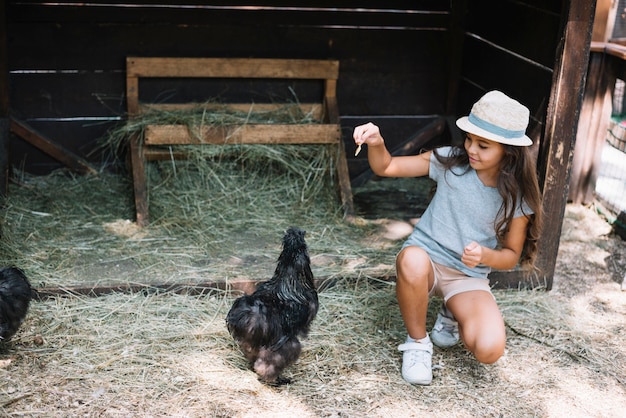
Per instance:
{"type": "Point", "coordinates": [331, 109]}
{"type": "Point", "coordinates": [592, 126]}
{"type": "Point", "coordinates": [568, 86]}
{"type": "Point", "coordinates": [4, 106]}
{"type": "Point", "coordinates": [140, 185]}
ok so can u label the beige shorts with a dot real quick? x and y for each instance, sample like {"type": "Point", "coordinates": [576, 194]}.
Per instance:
{"type": "Point", "coordinates": [449, 282]}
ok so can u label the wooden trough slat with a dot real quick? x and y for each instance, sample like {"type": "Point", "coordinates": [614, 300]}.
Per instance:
{"type": "Point", "coordinates": [242, 134]}
{"type": "Point", "coordinates": [232, 68]}
{"type": "Point", "coordinates": [314, 110]}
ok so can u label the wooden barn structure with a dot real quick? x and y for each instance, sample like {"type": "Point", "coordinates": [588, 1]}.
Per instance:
{"type": "Point", "coordinates": [413, 68]}
{"type": "Point", "coordinates": [602, 108]}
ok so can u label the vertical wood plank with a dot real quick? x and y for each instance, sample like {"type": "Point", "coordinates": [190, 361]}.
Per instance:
{"type": "Point", "coordinates": [331, 114]}
{"type": "Point", "coordinates": [4, 106]}
{"type": "Point", "coordinates": [4, 159]}
{"type": "Point", "coordinates": [132, 96]}
{"type": "Point", "coordinates": [603, 108]}
{"type": "Point", "coordinates": [343, 174]}
{"type": "Point", "coordinates": [137, 164]}
{"type": "Point", "coordinates": [140, 187]}
{"type": "Point", "coordinates": [562, 116]}
{"type": "Point", "coordinates": [592, 128]}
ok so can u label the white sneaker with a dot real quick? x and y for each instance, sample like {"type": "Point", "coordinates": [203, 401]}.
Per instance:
{"type": "Point", "coordinates": [417, 362]}
{"type": "Point", "coordinates": [445, 332]}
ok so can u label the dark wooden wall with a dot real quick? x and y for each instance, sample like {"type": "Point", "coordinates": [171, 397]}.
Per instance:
{"type": "Point", "coordinates": [515, 53]}
{"type": "Point", "coordinates": [402, 65]}
{"type": "Point", "coordinates": [67, 62]}
{"type": "Point", "coordinates": [4, 109]}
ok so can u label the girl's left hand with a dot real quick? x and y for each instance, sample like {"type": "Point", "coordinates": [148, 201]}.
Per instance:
{"type": "Point", "coordinates": [472, 255]}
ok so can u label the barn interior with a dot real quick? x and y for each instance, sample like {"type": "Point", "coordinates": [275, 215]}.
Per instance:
{"type": "Point", "coordinates": [411, 70]}
{"type": "Point", "coordinates": [154, 341]}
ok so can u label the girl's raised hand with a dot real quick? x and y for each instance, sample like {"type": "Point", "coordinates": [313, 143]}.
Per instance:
{"type": "Point", "coordinates": [367, 134]}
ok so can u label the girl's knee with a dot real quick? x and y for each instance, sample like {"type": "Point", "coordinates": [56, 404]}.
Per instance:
{"type": "Point", "coordinates": [481, 326]}
{"type": "Point", "coordinates": [412, 263]}
{"type": "Point", "coordinates": [489, 353]}
{"type": "Point", "coordinates": [486, 341]}
{"type": "Point", "coordinates": [412, 259]}
{"type": "Point", "coordinates": [487, 347]}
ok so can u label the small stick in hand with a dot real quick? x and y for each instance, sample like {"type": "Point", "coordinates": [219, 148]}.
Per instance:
{"type": "Point", "coordinates": [358, 149]}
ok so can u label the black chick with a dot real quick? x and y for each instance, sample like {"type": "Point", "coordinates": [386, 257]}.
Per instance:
{"type": "Point", "coordinates": [267, 323]}
{"type": "Point", "coordinates": [15, 297]}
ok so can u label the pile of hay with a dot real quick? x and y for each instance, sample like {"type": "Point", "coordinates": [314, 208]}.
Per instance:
{"type": "Point", "coordinates": [163, 354]}
{"type": "Point", "coordinates": [217, 216]}
{"type": "Point", "coordinates": [221, 216]}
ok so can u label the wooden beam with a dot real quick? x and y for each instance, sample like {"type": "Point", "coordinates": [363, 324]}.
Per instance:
{"type": "Point", "coordinates": [4, 106]}
{"type": "Point", "coordinates": [331, 114]}
{"type": "Point", "coordinates": [232, 287]}
{"type": "Point", "coordinates": [140, 185]}
{"type": "Point", "coordinates": [568, 86]}
{"type": "Point", "coordinates": [604, 20]}
{"type": "Point", "coordinates": [231, 68]}
{"type": "Point", "coordinates": [592, 128]}
{"type": "Point", "coordinates": [235, 287]}
{"type": "Point", "coordinates": [242, 134]}
{"type": "Point", "coordinates": [343, 174]}
{"type": "Point", "coordinates": [313, 110]}
{"type": "Point", "coordinates": [51, 148]}
{"type": "Point", "coordinates": [132, 95]}
{"type": "Point", "coordinates": [517, 279]}
{"type": "Point", "coordinates": [4, 158]}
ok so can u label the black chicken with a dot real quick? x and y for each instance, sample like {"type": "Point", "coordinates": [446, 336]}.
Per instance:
{"type": "Point", "coordinates": [15, 297]}
{"type": "Point", "coordinates": [267, 323]}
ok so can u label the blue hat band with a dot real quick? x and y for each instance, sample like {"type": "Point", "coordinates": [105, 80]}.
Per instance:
{"type": "Point", "coordinates": [494, 129]}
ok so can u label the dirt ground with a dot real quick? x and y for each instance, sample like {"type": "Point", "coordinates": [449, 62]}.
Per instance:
{"type": "Point", "coordinates": [155, 354]}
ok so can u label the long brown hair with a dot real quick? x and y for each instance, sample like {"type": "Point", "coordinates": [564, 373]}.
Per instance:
{"type": "Point", "coordinates": [517, 182]}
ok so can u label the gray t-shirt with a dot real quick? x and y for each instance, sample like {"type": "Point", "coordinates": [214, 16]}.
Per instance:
{"type": "Point", "coordinates": [462, 210]}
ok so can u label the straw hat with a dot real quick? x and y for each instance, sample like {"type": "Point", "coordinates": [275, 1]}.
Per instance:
{"type": "Point", "coordinates": [499, 118]}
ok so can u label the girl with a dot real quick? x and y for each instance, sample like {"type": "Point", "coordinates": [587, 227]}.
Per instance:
{"type": "Point", "coordinates": [485, 213]}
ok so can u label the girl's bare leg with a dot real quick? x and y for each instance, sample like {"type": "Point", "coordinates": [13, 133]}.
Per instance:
{"type": "Point", "coordinates": [481, 326]}
{"type": "Point", "coordinates": [415, 278]}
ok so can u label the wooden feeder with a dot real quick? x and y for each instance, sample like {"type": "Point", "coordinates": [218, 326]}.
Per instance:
{"type": "Point", "coordinates": [150, 145]}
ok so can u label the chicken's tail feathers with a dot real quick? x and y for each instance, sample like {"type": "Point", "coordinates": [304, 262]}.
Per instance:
{"type": "Point", "coordinates": [247, 319]}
